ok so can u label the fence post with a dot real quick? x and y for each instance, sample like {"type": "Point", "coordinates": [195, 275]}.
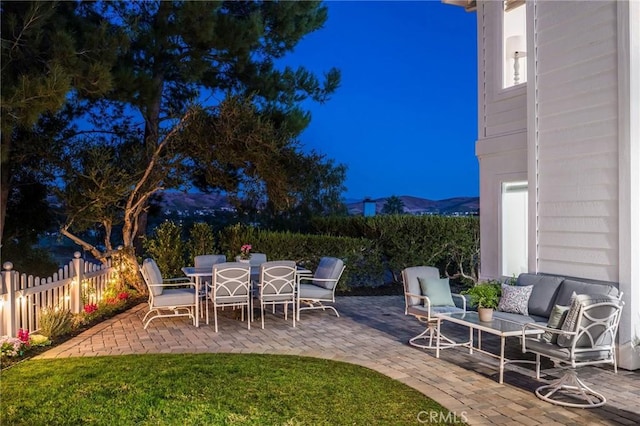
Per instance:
{"type": "Point", "coordinates": [8, 321]}
{"type": "Point", "coordinates": [76, 284]}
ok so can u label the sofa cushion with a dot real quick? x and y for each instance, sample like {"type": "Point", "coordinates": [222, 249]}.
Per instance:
{"type": "Point", "coordinates": [515, 299]}
{"type": "Point", "coordinates": [569, 286]}
{"type": "Point", "coordinates": [556, 319]}
{"type": "Point", "coordinates": [519, 318]}
{"type": "Point", "coordinates": [545, 289]}
{"type": "Point", "coordinates": [437, 290]}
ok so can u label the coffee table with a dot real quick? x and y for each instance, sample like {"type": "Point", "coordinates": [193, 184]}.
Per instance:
{"type": "Point", "coordinates": [498, 327]}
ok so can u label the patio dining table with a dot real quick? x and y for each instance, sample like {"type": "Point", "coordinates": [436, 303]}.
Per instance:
{"type": "Point", "coordinates": [201, 272]}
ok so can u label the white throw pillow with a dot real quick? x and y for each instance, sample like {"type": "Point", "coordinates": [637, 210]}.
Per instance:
{"type": "Point", "coordinates": [515, 299]}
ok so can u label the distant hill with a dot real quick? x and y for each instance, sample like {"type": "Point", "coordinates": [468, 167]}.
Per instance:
{"type": "Point", "coordinates": [415, 205]}
{"type": "Point", "coordinates": [188, 202]}
{"type": "Point", "coordinates": [180, 201]}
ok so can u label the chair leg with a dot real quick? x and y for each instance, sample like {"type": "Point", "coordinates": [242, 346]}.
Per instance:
{"type": "Point", "coordinates": [249, 314]}
{"type": "Point", "coordinates": [215, 317]}
{"type": "Point", "coordinates": [315, 305]}
{"type": "Point", "coordinates": [431, 333]}
{"type": "Point", "coordinates": [206, 308]}
{"type": "Point", "coordinates": [570, 385]}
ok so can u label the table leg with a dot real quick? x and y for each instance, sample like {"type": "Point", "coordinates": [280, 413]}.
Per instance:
{"type": "Point", "coordinates": [502, 338]}
{"type": "Point", "coordinates": [471, 340]}
{"type": "Point", "coordinates": [197, 301]}
{"type": "Point", "coordinates": [437, 337]}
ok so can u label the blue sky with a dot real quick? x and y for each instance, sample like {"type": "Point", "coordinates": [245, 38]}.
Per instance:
{"type": "Point", "coordinates": [404, 120]}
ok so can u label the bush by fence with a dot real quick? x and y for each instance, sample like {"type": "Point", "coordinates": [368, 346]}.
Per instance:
{"type": "Point", "coordinates": [450, 243]}
{"type": "Point", "coordinates": [373, 248]}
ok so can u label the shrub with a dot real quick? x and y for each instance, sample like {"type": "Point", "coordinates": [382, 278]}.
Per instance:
{"type": "Point", "coordinates": [39, 340]}
{"type": "Point", "coordinates": [450, 243]}
{"type": "Point", "coordinates": [11, 346]}
{"type": "Point", "coordinates": [201, 240]}
{"type": "Point", "coordinates": [55, 322]}
{"type": "Point", "coordinates": [166, 248]}
{"type": "Point", "coordinates": [361, 256]}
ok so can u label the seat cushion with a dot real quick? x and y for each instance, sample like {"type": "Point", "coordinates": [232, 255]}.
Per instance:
{"type": "Point", "coordinates": [568, 287]}
{"type": "Point", "coordinates": [423, 311]}
{"type": "Point", "coordinates": [543, 295]}
{"type": "Point", "coordinates": [437, 290]}
{"type": "Point", "coordinates": [314, 292]}
{"type": "Point", "coordinates": [550, 350]}
{"type": "Point", "coordinates": [515, 299]}
{"type": "Point", "coordinates": [230, 300]}
{"type": "Point", "coordinates": [175, 297]}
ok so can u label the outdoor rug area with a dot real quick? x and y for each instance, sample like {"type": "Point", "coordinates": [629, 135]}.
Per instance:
{"type": "Point", "coordinates": [373, 332]}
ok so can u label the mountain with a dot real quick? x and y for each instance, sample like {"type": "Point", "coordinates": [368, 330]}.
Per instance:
{"type": "Point", "coordinates": [415, 205]}
{"type": "Point", "coordinates": [181, 201]}
{"type": "Point", "coordinates": [189, 202]}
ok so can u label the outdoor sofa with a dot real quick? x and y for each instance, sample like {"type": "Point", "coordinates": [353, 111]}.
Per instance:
{"type": "Point", "coordinates": [550, 290]}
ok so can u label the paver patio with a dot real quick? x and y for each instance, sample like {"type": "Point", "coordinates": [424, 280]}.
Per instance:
{"type": "Point", "coordinates": [373, 332]}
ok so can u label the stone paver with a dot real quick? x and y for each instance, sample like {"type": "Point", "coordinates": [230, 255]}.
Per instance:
{"type": "Point", "coordinates": [373, 332]}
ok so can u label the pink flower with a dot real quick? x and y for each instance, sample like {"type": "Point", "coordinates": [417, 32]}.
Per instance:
{"type": "Point", "coordinates": [23, 335]}
{"type": "Point", "coordinates": [123, 296]}
{"type": "Point", "coordinates": [90, 307]}
{"type": "Point", "coordinates": [244, 251]}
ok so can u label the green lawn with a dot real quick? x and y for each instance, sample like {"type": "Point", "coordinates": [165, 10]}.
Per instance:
{"type": "Point", "coordinates": [202, 389]}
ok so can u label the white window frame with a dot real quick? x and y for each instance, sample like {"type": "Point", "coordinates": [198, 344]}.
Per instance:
{"type": "Point", "coordinates": [519, 186]}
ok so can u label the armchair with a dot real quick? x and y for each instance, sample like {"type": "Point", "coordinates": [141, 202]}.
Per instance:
{"type": "Point", "coordinates": [424, 306]}
{"type": "Point", "coordinates": [587, 337]}
{"type": "Point", "coordinates": [321, 287]}
{"type": "Point", "coordinates": [177, 295]}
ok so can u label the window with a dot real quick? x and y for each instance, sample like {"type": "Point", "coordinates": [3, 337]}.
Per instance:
{"type": "Point", "coordinates": [514, 43]}
{"type": "Point", "coordinates": [514, 228]}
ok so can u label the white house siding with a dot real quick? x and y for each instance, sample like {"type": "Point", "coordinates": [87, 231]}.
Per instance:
{"type": "Point", "coordinates": [502, 135]}
{"type": "Point", "coordinates": [503, 111]}
{"type": "Point", "coordinates": [576, 138]}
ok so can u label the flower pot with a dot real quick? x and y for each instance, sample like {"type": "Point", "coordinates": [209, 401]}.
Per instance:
{"type": "Point", "coordinates": [243, 260]}
{"type": "Point", "coordinates": [485, 314]}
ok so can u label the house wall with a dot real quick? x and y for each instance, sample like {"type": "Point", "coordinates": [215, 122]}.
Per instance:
{"type": "Point", "coordinates": [583, 147]}
{"type": "Point", "coordinates": [502, 134]}
{"type": "Point", "coordinates": [576, 138]}
{"type": "Point", "coordinates": [573, 133]}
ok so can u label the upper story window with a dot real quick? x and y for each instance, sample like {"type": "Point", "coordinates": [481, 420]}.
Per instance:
{"type": "Point", "coordinates": [514, 43]}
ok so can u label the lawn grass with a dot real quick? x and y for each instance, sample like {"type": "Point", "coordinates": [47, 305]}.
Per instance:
{"type": "Point", "coordinates": [190, 389]}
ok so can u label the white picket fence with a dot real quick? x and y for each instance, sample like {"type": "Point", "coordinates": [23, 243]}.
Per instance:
{"type": "Point", "coordinates": [23, 297]}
